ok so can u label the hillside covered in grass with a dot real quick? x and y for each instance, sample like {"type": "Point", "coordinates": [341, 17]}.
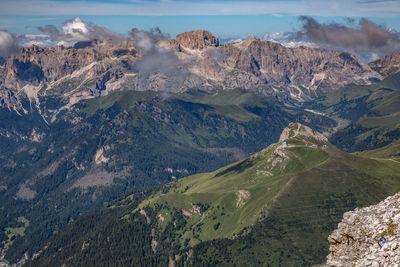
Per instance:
{"type": "Point", "coordinates": [276, 207]}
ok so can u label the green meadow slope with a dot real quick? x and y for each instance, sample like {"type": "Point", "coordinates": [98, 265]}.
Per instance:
{"type": "Point", "coordinates": [275, 208]}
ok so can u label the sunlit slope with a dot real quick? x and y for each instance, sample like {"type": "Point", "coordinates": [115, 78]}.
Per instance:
{"type": "Point", "coordinates": [277, 206]}
{"type": "Point", "coordinates": [238, 195]}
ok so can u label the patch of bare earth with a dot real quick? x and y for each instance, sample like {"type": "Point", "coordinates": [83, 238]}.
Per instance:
{"type": "Point", "coordinates": [50, 169]}
{"type": "Point", "coordinates": [187, 213]}
{"type": "Point", "coordinates": [24, 192]}
{"type": "Point", "coordinates": [171, 262]}
{"type": "Point", "coordinates": [99, 156]}
{"type": "Point", "coordinates": [296, 129]}
{"type": "Point", "coordinates": [241, 198]}
{"type": "Point", "coordinates": [143, 212]}
{"type": "Point", "coordinates": [96, 177]}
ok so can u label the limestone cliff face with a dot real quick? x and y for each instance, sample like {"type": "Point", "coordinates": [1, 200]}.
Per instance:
{"type": "Point", "coordinates": [193, 60]}
{"type": "Point", "coordinates": [255, 63]}
{"type": "Point", "coordinates": [36, 64]}
{"type": "Point", "coordinates": [267, 66]}
{"type": "Point", "coordinates": [298, 130]}
{"type": "Point", "coordinates": [302, 66]}
{"type": "Point", "coordinates": [368, 237]}
{"type": "Point", "coordinates": [48, 64]}
{"type": "Point", "coordinates": [64, 71]}
{"type": "Point", "coordinates": [199, 39]}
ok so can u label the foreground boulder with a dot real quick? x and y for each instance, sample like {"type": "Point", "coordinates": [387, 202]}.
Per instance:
{"type": "Point", "coordinates": [368, 236]}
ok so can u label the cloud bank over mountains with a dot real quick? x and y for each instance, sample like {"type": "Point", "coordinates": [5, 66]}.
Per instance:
{"type": "Point", "coordinates": [364, 38]}
{"type": "Point", "coordinates": [8, 44]}
{"type": "Point", "coordinates": [76, 30]}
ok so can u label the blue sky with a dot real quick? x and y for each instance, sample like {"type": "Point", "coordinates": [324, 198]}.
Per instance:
{"type": "Point", "coordinates": [225, 18]}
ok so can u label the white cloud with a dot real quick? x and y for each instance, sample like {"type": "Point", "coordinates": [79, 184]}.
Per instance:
{"type": "Point", "coordinates": [28, 40]}
{"type": "Point", "coordinates": [8, 44]}
{"type": "Point", "coordinates": [64, 43]}
{"type": "Point", "coordinates": [294, 39]}
{"type": "Point", "coordinates": [36, 36]}
{"type": "Point", "coordinates": [5, 39]}
{"type": "Point", "coordinates": [77, 29]}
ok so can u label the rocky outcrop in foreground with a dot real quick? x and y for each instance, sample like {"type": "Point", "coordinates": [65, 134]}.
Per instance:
{"type": "Point", "coordinates": [368, 237]}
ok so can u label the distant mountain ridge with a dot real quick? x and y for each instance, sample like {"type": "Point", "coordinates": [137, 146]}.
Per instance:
{"type": "Point", "coordinates": [387, 65]}
{"type": "Point", "coordinates": [196, 59]}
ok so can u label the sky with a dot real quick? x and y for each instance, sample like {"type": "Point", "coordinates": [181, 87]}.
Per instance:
{"type": "Point", "coordinates": [370, 29]}
{"type": "Point", "coordinates": [224, 18]}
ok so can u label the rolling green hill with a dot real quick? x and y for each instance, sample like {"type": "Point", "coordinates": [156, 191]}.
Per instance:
{"type": "Point", "coordinates": [275, 208]}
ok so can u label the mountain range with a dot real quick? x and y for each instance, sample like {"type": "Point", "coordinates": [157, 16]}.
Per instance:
{"type": "Point", "coordinates": [192, 60]}
{"type": "Point", "coordinates": [85, 125]}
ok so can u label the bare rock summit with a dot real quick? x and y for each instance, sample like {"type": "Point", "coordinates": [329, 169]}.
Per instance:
{"type": "Point", "coordinates": [295, 129]}
{"type": "Point", "coordinates": [387, 65]}
{"type": "Point", "coordinates": [198, 39]}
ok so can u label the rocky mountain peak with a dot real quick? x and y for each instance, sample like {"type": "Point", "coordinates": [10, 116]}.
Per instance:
{"type": "Point", "coordinates": [312, 68]}
{"type": "Point", "coordinates": [387, 64]}
{"type": "Point", "coordinates": [256, 42]}
{"type": "Point", "coordinates": [198, 39]}
{"type": "Point", "coordinates": [368, 236]}
{"type": "Point", "coordinates": [35, 64]}
{"type": "Point", "coordinates": [48, 64]}
{"type": "Point", "coordinates": [295, 129]}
